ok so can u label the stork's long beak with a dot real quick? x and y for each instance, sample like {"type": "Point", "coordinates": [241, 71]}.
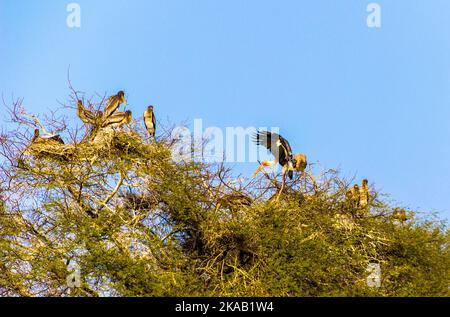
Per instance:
{"type": "Point", "coordinates": [261, 166]}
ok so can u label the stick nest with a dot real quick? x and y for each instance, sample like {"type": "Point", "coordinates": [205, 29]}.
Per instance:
{"type": "Point", "coordinates": [107, 142]}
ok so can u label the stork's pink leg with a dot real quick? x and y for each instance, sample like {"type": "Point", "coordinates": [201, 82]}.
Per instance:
{"type": "Point", "coordinates": [283, 179]}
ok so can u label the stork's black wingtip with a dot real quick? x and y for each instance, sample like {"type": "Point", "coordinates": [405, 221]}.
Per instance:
{"type": "Point", "coordinates": [258, 136]}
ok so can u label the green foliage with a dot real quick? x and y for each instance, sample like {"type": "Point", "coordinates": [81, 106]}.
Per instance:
{"type": "Point", "coordinates": [137, 223]}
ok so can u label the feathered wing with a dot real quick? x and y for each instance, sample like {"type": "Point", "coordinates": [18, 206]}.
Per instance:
{"type": "Point", "coordinates": [291, 174]}
{"type": "Point", "coordinates": [149, 121]}
{"type": "Point", "coordinates": [50, 137]}
{"type": "Point", "coordinates": [112, 105]}
{"type": "Point", "coordinates": [117, 118]}
{"type": "Point", "coordinates": [85, 115]}
{"type": "Point", "coordinates": [154, 123]}
{"type": "Point", "coordinates": [56, 138]}
{"type": "Point", "coordinates": [276, 144]}
{"type": "Point", "coordinates": [286, 147]}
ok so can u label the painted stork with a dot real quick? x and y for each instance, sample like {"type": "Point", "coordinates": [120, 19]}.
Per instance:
{"type": "Point", "coordinates": [364, 195]}
{"type": "Point", "coordinates": [400, 215]}
{"type": "Point", "coordinates": [150, 121]}
{"type": "Point", "coordinates": [118, 119]}
{"type": "Point", "coordinates": [54, 138]}
{"type": "Point", "coordinates": [85, 115]}
{"type": "Point", "coordinates": [113, 104]}
{"type": "Point", "coordinates": [353, 196]}
{"type": "Point", "coordinates": [281, 150]}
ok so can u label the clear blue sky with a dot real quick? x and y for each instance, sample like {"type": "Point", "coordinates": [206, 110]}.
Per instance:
{"type": "Point", "coordinates": [374, 102]}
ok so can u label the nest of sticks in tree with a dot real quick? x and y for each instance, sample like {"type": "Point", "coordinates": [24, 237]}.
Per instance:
{"type": "Point", "coordinates": [107, 142]}
{"type": "Point", "coordinates": [51, 150]}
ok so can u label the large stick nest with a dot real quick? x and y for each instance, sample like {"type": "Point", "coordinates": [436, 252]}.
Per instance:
{"type": "Point", "coordinates": [106, 142]}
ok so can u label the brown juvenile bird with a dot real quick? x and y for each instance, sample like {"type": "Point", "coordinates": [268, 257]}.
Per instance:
{"type": "Point", "coordinates": [353, 196]}
{"type": "Point", "coordinates": [118, 119]}
{"type": "Point", "coordinates": [113, 104]}
{"type": "Point", "coordinates": [364, 195]}
{"type": "Point", "coordinates": [85, 115]}
{"type": "Point", "coordinates": [300, 162]}
{"type": "Point", "coordinates": [37, 138]}
{"type": "Point", "coordinates": [150, 121]}
{"type": "Point", "coordinates": [400, 215]}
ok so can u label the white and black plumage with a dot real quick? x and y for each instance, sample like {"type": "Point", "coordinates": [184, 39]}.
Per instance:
{"type": "Point", "coordinates": [150, 121]}
{"type": "Point", "coordinates": [85, 115]}
{"type": "Point", "coordinates": [281, 150]}
{"type": "Point", "coordinates": [278, 146]}
{"type": "Point", "coordinates": [118, 119]}
{"type": "Point", "coordinates": [113, 104]}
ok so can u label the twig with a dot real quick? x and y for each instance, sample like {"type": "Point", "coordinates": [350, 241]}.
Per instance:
{"type": "Point", "coordinates": [116, 189]}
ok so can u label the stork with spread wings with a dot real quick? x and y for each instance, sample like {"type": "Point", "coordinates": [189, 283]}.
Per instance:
{"type": "Point", "coordinates": [281, 150]}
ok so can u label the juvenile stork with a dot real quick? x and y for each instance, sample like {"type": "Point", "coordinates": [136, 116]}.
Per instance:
{"type": "Point", "coordinates": [281, 150]}
{"type": "Point", "coordinates": [113, 104]}
{"type": "Point", "coordinates": [118, 119]}
{"type": "Point", "coordinates": [150, 121]}
{"type": "Point", "coordinates": [49, 138]}
{"type": "Point", "coordinates": [400, 215]}
{"type": "Point", "coordinates": [84, 114]}
{"type": "Point", "coordinates": [364, 195]}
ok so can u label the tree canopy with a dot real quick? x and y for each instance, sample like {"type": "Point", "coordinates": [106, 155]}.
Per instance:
{"type": "Point", "coordinates": [115, 207]}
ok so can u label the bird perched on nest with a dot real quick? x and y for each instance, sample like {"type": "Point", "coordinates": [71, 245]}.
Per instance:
{"type": "Point", "coordinates": [400, 215]}
{"type": "Point", "coordinates": [85, 115]}
{"type": "Point", "coordinates": [359, 197]}
{"type": "Point", "coordinates": [50, 138]}
{"type": "Point", "coordinates": [353, 196]}
{"type": "Point", "coordinates": [113, 104]}
{"type": "Point", "coordinates": [364, 195]}
{"type": "Point", "coordinates": [118, 119]}
{"type": "Point", "coordinates": [281, 150]}
{"type": "Point", "coordinates": [150, 121]}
